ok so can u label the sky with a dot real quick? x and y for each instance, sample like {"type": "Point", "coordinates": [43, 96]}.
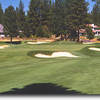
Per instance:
{"type": "Point", "coordinates": [15, 3]}
{"type": "Point", "coordinates": [91, 4]}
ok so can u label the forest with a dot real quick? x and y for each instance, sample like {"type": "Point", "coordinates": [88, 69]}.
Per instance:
{"type": "Point", "coordinates": [46, 17]}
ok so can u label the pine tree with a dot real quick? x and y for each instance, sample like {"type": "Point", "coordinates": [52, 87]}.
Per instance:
{"type": "Point", "coordinates": [10, 22]}
{"type": "Point", "coordinates": [39, 18]}
{"type": "Point", "coordinates": [65, 14]}
{"type": "Point", "coordinates": [76, 18]}
{"type": "Point", "coordinates": [20, 18]}
{"type": "Point", "coordinates": [96, 13]}
{"type": "Point", "coordinates": [1, 15]}
{"type": "Point", "coordinates": [45, 18]}
{"type": "Point", "coordinates": [33, 17]}
{"type": "Point", "coordinates": [50, 16]}
{"type": "Point", "coordinates": [90, 34]}
{"type": "Point", "coordinates": [58, 17]}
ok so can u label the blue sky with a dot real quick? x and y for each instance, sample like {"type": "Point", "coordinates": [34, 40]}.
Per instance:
{"type": "Point", "coordinates": [90, 4]}
{"type": "Point", "coordinates": [15, 3]}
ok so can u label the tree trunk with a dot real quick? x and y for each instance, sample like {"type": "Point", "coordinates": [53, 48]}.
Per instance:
{"type": "Point", "coordinates": [78, 39]}
{"type": "Point", "coordinates": [62, 37]}
{"type": "Point", "coordinates": [11, 39]}
{"type": "Point", "coordinates": [65, 37]}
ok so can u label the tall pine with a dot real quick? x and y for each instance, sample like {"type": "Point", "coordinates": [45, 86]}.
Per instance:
{"type": "Point", "coordinates": [76, 18]}
{"type": "Point", "coordinates": [10, 24]}
{"type": "Point", "coordinates": [20, 18]}
{"type": "Point", "coordinates": [44, 18]}
{"type": "Point", "coordinates": [96, 13]}
{"type": "Point", "coordinates": [58, 17]}
{"type": "Point", "coordinates": [1, 14]}
{"type": "Point", "coordinates": [33, 17]}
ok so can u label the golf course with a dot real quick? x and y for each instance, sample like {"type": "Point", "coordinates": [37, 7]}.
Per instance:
{"type": "Point", "coordinates": [20, 68]}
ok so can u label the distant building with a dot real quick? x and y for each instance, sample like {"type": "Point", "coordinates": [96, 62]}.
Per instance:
{"type": "Point", "coordinates": [2, 31]}
{"type": "Point", "coordinates": [95, 29]}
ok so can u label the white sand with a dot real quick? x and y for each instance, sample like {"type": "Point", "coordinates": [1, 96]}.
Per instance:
{"type": "Point", "coordinates": [56, 54]}
{"type": "Point", "coordinates": [95, 49]}
{"type": "Point", "coordinates": [37, 42]}
{"type": "Point", "coordinates": [88, 43]}
{"type": "Point", "coordinates": [3, 46]}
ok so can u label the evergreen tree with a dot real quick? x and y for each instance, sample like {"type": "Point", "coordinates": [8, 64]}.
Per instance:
{"type": "Point", "coordinates": [20, 18]}
{"type": "Point", "coordinates": [33, 17]}
{"type": "Point", "coordinates": [76, 18]}
{"type": "Point", "coordinates": [1, 15]}
{"type": "Point", "coordinates": [44, 18]}
{"type": "Point", "coordinates": [44, 9]}
{"type": "Point", "coordinates": [39, 18]}
{"type": "Point", "coordinates": [90, 34]}
{"type": "Point", "coordinates": [58, 17]}
{"type": "Point", "coordinates": [52, 17]}
{"type": "Point", "coordinates": [96, 13]}
{"type": "Point", "coordinates": [65, 14]}
{"type": "Point", "coordinates": [10, 22]}
{"type": "Point", "coordinates": [27, 27]}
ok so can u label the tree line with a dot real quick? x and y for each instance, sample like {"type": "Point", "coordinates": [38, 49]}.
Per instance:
{"type": "Point", "coordinates": [95, 14]}
{"type": "Point", "coordinates": [47, 17]}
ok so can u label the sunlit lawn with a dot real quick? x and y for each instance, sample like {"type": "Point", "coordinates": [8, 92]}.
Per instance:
{"type": "Point", "coordinates": [19, 69]}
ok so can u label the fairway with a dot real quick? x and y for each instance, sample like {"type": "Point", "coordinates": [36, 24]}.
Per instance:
{"type": "Point", "coordinates": [19, 67]}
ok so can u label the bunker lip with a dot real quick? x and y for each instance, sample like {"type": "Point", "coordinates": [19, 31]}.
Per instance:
{"type": "Point", "coordinates": [3, 46]}
{"type": "Point", "coordinates": [37, 42]}
{"type": "Point", "coordinates": [56, 55]}
{"type": "Point", "coordinates": [94, 49]}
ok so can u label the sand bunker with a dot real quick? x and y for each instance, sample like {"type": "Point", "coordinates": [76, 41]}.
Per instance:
{"type": "Point", "coordinates": [88, 42]}
{"type": "Point", "coordinates": [37, 42]}
{"type": "Point", "coordinates": [56, 54]}
{"type": "Point", "coordinates": [3, 46]}
{"type": "Point", "coordinates": [95, 49]}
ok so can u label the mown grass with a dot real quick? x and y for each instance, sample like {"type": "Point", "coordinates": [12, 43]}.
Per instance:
{"type": "Point", "coordinates": [19, 69]}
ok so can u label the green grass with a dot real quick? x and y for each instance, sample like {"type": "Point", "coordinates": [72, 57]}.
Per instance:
{"type": "Point", "coordinates": [18, 68]}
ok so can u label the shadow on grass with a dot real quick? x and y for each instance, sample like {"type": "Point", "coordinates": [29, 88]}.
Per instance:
{"type": "Point", "coordinates": [42, 89]}
{"type": "Point", "coordinates": [14, 42]}
{"type": "Point", "coordinates": [33, 53]}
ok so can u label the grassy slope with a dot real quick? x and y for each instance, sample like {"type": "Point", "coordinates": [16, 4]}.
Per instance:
{"type": "Point", "coordinates": [17, 69]}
